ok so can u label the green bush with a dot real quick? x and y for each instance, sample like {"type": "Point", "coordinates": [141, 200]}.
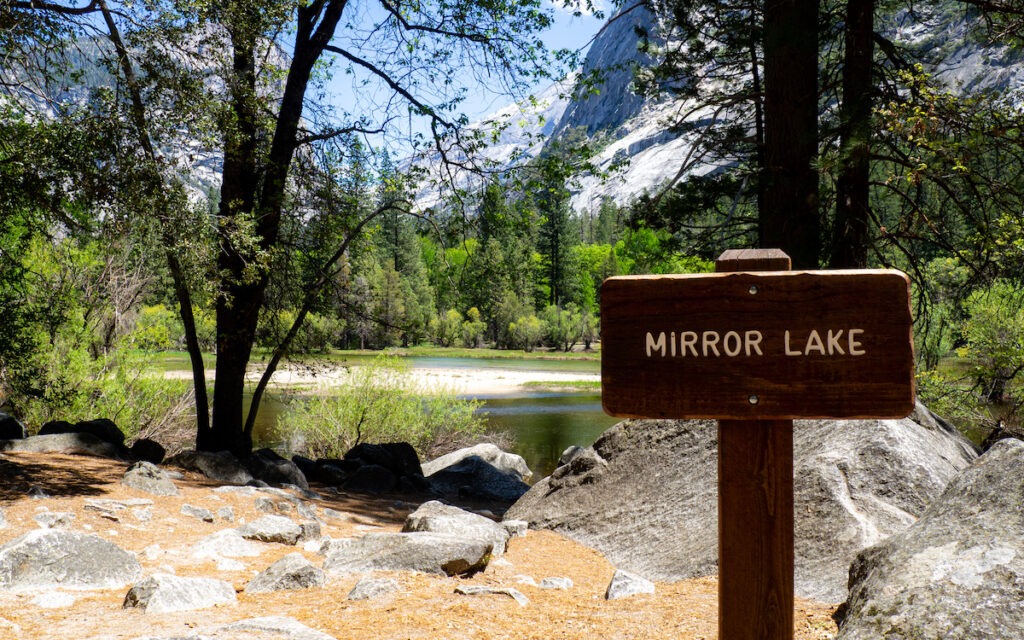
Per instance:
{"type": "Point", "coordinates": [380, 402]}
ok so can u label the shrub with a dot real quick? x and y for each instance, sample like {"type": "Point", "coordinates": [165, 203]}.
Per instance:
{"type": "Point", "coordinates": [380, 402]}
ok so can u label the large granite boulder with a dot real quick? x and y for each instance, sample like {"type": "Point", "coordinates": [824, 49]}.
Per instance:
{"type": "Point", "coordinates": [645, 494]}
{"type": "Point", "coordinates": [503, 461]}
{"type": "Point", "coordinates": [420, 551]}
{"type": "Point", "coordinates": [221, 466]}
{"type": "Point", "coordinates": [958, 572]}
{"type": "Point", "coordinates": [437, 517]}
{"type": "Point", "coordinates": [11, 428]}
{"type": "Point", "coordinates": [73, 442]}
{"type": "Point", "coordinates": [47, 558]}
{"type": "Point", "coordinates": [482, 472]}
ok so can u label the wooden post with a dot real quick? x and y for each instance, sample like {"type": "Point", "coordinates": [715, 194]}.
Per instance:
{"type": "Point", "coordinates": [755, 507]}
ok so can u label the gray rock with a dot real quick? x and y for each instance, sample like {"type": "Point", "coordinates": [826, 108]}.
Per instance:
{"type": "Point", "coordinates": [625, 584]}
{"type": "Point", "coordinates": [569, 453]}
{"type": "Point", "coordinates": [226, 514]}
{"type": "Point", "coordinates": [277, 529]}
{"type": "Point", "coordinates": [292, 572]}
{"type": "Point", "coordinates": [200, 513]}
{"type": "Point", "coordinates": [269, 628]}
{"type": "Point", "coordinates": [220, 466]}
{"type": "Point", "coordinates": [113, 509]}
{"type": "Point", "coordinates": [474, 477]}
{"type": "Point", "coordinates": [424, 552]}
{"type": "Point", "coordinates": [556, 583]}
{"type": "Point", "coordinates": [508, 463]}
{"type": "Point", "coordinates": [478, 590]}
{"type": "Point", "coordinates": [959, 571]}
{"type": "Point", "coordinates": [371, 478]}
{"type": "Point", "coordinates": [266, 505]}
{"type": "Point", "coordinates": [104, 429]}
{"type": "Point", "coordinates": [227, 543]}
{"type": "Point", "coordinates": [47, 558]}
{"type": "Point", "coordinates": [146, 450]}
{"type": "Point", "coordinates": [54, 519]}
{"type": "Point", "coordinates": [147, 477]}
{"type": "Point", "coordinates": [77, 443]}
{"type": "Point", "coordinates": [516, 528]}
{"type": "Point", "coordinates": [268, 466]}
{"type": "Point", "coordinates": [370, 588]}
{"type": "Point", "coordinates": [163, 593]}
{"type": "Point", "coordinates": [437, 517]}
{"type": "Point", "coordinates": [11, 428]}
{"type": "Point", "coordinates": [3, 520]}
{"type": "Point", "coordinates": [645, 495]}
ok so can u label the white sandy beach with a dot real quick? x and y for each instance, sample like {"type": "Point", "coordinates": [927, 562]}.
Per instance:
{"type": "Point", "coordinates": [482, 382]}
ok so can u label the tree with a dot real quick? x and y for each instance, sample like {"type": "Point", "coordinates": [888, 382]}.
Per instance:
{"type": "Point", "coordinates": [407, 58]}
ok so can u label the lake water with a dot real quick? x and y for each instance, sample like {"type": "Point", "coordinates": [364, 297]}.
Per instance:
{"type": "Point", "coordinates": [542, 425]}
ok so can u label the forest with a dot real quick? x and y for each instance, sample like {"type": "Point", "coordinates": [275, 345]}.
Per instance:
{"type": "Point", "coordinates": [173, 178]}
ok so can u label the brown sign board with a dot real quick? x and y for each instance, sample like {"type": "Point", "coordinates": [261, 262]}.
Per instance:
{"type": "Point", "coordinates": [758, 345]}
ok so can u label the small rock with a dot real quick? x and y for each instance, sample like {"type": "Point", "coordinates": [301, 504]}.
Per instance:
{"type": "Point", "coordinates": [625, 584]}
{"type": "Point", "coordinates": [556, 583]}
{"type": "Point", "coordinates": [37, 493]}
{"type": "Point", "coordinates": [516, 528]}
{"type": "Point", "coordinates": [147, 477]}
{"type": "Point", "coordinates": [54, 519]}
{"type": "Point", "coordinates": [53, 600]}
{"type": "Point", "coordinates": [292, 572]}
{"type": "Point", "coordinates": [266, 505]}
{"type": "Point", "coordinates": [200, 513]}
{"type": "Point", "coordinates": [226, 543]}
{"type": "Point", "coordinates": [163, 593]}
{"type": "Point", "coordinates": [226, 513]}
{"type": "Point", "coordinates": [274, 627]}
{"type": "Point", "coordinates": [472, 590]}
{"type": "Point", "coordinates": [272, 529]}
{"type": "Point", "coordinates": [370, 588]}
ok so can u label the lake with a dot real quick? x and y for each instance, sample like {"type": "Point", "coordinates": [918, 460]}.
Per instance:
{"type": "Point", "coordinates": [541, 424]}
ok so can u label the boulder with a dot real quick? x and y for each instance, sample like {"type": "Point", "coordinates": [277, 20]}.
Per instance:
{"type": "Point", "coordinates": [370, 588]}
{"type": "Point", "coordinates": [147, 477]}
{"type": "Point", "coordinates": [437, 517]}
{"type": "Point", "coordinates": [292, 572]}
{"type": "Point", "coordinates": [397, 457]}
{"type": "Point", "coordinates": [503, 461]}
{"type": "Point", "coordinates": [77, 443]}
{"type": "Point", "coordinates": [482, 590]}
{"type": "Point", "coordinates": [220, 466]}
{"type": "Point", "coordinates": [371, 478]}
{"type": "Point", "coordinates": [625, 584]}
{"type": "Point", "coordinates": [11, 428]}
{"type": "Point", "coordinates": [474, 477]}
{"type": "Point", "coordinates": [227, 543]}
{"type": "Point", "coordinates": [47, 558]}
{"type": "Point", "coordinates": [277, 529]}
{"type": "Point", "coordinates": [102, 428]}
{"type": "Point", "coordinates": [959, 571]}
{"type": "Point", "coordinates": [56, 427]}
{"type": "Point", "coordinates": [147, 450]}
{"type": "Point", "coordinates": [269, 628]}
{"type": "Point", "coordinates": [645, 494]}
{"type": "Point", "coordinates": [268, 466]}
{"type": "Point", "coordinates": [424, 552]}
{"type": "Point", "coordinates": [163, 593]}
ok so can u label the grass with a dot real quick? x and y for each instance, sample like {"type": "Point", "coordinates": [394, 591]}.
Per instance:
{"type": "Point", "coordinates": [568, 385]}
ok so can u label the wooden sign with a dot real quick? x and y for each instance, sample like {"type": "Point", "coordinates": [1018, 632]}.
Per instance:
{"type": "Point", "coordinates": [758, 345]}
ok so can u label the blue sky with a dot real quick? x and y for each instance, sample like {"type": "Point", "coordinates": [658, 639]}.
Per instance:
{"type": "Point", "coordinates": [567, 32]}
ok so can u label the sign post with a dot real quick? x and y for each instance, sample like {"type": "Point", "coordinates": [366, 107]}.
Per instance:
{"type": "Point", "coordinates": [756, 346]}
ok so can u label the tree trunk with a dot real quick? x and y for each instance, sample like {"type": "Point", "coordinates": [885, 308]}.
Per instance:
{"type": "Point", "coordinates": [790, 219]}
{"type": "Point", "coordinates": [850, 233]}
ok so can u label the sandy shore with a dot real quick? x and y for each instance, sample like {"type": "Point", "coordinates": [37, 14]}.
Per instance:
{"type": "Point", "coordinates": [474, 382]}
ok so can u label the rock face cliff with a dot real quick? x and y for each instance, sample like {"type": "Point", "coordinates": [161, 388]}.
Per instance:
{"type": "Point", "coordinates": [635, 132]}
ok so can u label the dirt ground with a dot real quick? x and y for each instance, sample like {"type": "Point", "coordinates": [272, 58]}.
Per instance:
{"type": "Point", "coordinates": [425, 607]}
